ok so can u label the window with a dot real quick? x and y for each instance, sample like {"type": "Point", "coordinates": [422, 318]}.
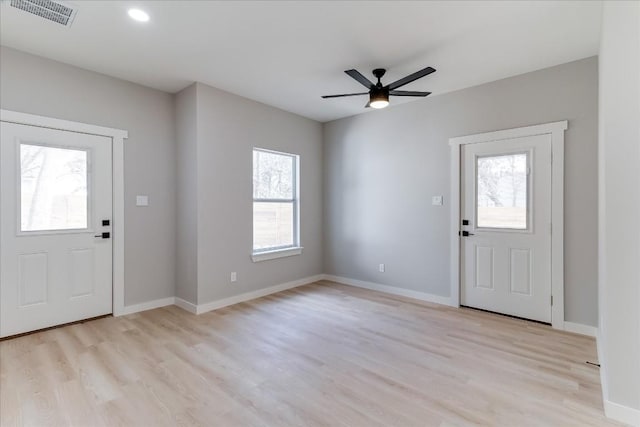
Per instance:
{"type": "Point", "coordinates": [53, 188]}
{"type": "Point", "coordinates": [502, 191]}
{"type": "Point", "coordinates": [275, 203]}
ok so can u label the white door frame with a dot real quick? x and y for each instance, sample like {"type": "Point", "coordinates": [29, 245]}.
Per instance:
{"type": "Point", "coordinates": [556, 130]}
{"type": "Point", "coordinates": [117, 137]}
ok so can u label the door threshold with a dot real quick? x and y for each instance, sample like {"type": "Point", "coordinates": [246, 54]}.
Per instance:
{"type": "Point", "coordinates": [23, 334]}
{"type": "Point", "coordinates": [507, 315]}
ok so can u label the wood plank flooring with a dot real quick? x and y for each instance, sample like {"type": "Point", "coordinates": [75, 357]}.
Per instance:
{"type": "Point", "coordinates": [319, 355]}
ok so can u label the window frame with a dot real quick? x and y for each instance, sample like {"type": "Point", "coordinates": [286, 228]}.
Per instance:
{"type": "Point", "coordinates": [295, 248]}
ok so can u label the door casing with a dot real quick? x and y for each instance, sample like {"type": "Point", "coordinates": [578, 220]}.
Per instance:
{"type": "Point", "coordinates": [117, 137]}
{"type": "Point", "coordinates": [556, 130]}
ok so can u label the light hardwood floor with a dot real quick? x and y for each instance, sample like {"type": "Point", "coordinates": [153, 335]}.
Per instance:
{"type": "Point", "coordinates": [319, 355]}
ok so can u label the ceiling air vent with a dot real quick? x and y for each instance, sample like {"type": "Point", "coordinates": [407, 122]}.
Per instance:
{"type": "Point", "coordinates": [58, 12]}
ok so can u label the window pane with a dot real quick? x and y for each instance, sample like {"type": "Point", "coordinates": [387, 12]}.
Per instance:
{"type": "Point", "coordinates": [272, 176]}
{"type": "Point", "coordinates": [502, 191]}
{"type": "Point", "coordinates": [53, 188]}
{"type": "Point", "coordinates": [272, 225]}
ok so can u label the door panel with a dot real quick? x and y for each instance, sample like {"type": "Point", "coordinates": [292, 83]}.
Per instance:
{"type": "Point", "coordinates": [56, 189]}
{"type": "Point", "coordinates": [81, 266]}
{"type": "Point", "coordinates": [32, 278]}
{"type": "Point", "coordinates": [520, 271]}
{"type": "Point", "coordinates": [506, 197]}
{"type": "Point", "coordinates": [484, 267]}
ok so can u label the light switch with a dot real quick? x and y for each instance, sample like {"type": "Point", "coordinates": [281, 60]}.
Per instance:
{"type": "Point", "coordinates": [142, 200]}
{"type": "Point", "coordinates": [436, 200]}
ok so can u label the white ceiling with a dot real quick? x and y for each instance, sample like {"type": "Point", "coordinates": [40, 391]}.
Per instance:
{"type": "Point", "coordinates": [288, 53]}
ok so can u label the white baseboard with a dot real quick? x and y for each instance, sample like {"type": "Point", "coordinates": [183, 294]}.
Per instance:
{"type": "Point", "coordinates": [579, 328]}
{"type": "Point", "coordinates": [422, 296]}
{"type": "Point", "coordinates": [615, 411]}
{"type": "Point", "coordinates": [214, 305]}
{"type": "Point", "coordinates": [186, 305]}
{"type": "Point", "coordinates": [622, 413]}
{"type": "Point", "coordinates": [225, 302]}
{"type": "Point", "coordinates": [149, 305]}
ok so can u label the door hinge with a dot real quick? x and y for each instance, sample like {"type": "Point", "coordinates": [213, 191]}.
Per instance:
{"type": "Point", "coordinates": [552, 300]}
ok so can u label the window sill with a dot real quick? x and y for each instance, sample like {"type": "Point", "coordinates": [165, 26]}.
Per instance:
{"type": "Point", "coordinates": [278, 253]}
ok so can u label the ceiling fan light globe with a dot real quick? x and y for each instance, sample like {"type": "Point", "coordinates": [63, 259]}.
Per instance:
{"type": "Point", "coordinates": [378, 98]}
{"type": "Point", "coordinates": [381, 103]}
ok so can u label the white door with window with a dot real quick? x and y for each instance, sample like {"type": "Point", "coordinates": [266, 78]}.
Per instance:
{"type": "Point", "coordinates": [506, 226]}
{"type": "Point", "coordinates": [55, 241]}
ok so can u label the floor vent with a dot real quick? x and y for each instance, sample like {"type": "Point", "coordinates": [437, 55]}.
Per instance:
{"type": "Point", "coordinates": [55, 11]}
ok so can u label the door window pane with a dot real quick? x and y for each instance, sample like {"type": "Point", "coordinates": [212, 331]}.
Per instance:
{"type": "Point", "coordinates": [502, 191]}
{"type": "Point", "coordinates": [272, 225]}
{"type": "Point", "coordinates": [53, 188]}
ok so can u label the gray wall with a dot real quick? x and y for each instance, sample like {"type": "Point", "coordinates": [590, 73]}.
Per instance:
{"type": "Point", "coordinates": [380, 172]}
{"type": "Point", "coordinates": [619, 340]}
{"type": "Point", "coordinates": [35, 85]}
{"type": "Point", "coordinates": [228, 127]}
{"type": "Point", "coordinates": [187, 183]}
{"type": "Point", "coordinates": [381, 169]}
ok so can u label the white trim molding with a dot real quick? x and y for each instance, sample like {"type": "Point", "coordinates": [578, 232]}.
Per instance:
{"type": "Point", "coordinates": [186, 305]}
{"type": "Point", "coordinates": [149, 305]}
{"type": "Point", "coordinates": [556, 130]}
{"type": "Point", "coordinates": [277, 253]}
{"type": "Point", "coordinates": [393, 290]}
{"type": "Point", "coordinates": [117, 137]}
{"type": "Point", "coordinates": [53, 123]}
{"type": "Point", "coordinates": [615, 411]}
{"type": "Point", "coordinates": [624, 414]}
{"type": "Point", "coordinates": [247, 296]}
{"type": "Point", "coordinates": [579, 328]}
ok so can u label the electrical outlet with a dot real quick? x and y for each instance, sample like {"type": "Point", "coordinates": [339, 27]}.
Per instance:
{"type": "Point", "coordinates": [142, 200]}
{"type": "Point", "coordinates": [436, 200]}
{"type": "Point", "coordinates": [234, 276]}
{"type": "Point", "coordinates": [381, 268]}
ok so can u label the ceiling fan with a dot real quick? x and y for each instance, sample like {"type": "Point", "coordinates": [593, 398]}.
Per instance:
{"type": "Point", "coordinates": [378, 94]}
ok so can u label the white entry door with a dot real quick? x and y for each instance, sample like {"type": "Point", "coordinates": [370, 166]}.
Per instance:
{"type": "Point", "coordinates": [506, 237]}
{"type": "Point", "coordinates": [56, 208]}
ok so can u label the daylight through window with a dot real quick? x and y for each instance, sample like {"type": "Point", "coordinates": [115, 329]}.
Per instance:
{"type": "Point", "coordinates": [275, 200]}
{"type": "Point", "coordinates": [502, 191]}
{"type": "Point", "coordinates": [53, 188]}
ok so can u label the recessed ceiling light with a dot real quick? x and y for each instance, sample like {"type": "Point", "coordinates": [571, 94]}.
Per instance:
{"type": "Point", "coordinates": [139, 15]}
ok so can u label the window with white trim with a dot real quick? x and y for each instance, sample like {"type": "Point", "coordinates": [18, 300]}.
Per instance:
{"type": "Point", "coordinates": [275, 201]}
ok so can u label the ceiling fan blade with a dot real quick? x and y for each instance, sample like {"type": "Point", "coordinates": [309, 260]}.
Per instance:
{"type": "Point", "coordinates": [355, 74]}
{"type": "Point", "coordinates": [345, 94]}
{"type": "Point", "coordinates": [408, 93]}
{"type": "Point", "coordinates": [410, 78]}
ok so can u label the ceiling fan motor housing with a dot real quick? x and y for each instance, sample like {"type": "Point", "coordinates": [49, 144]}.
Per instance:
{"type": "Point", "coordinates": [378, 93]}
{"type": "Point", "coordinates": [379, 72]}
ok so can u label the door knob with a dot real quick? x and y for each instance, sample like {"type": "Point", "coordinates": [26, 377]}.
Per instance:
{"type": "Point", "coordinates": [466, 233]}
{"type": "Point", "coordinates": [105, 235]}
